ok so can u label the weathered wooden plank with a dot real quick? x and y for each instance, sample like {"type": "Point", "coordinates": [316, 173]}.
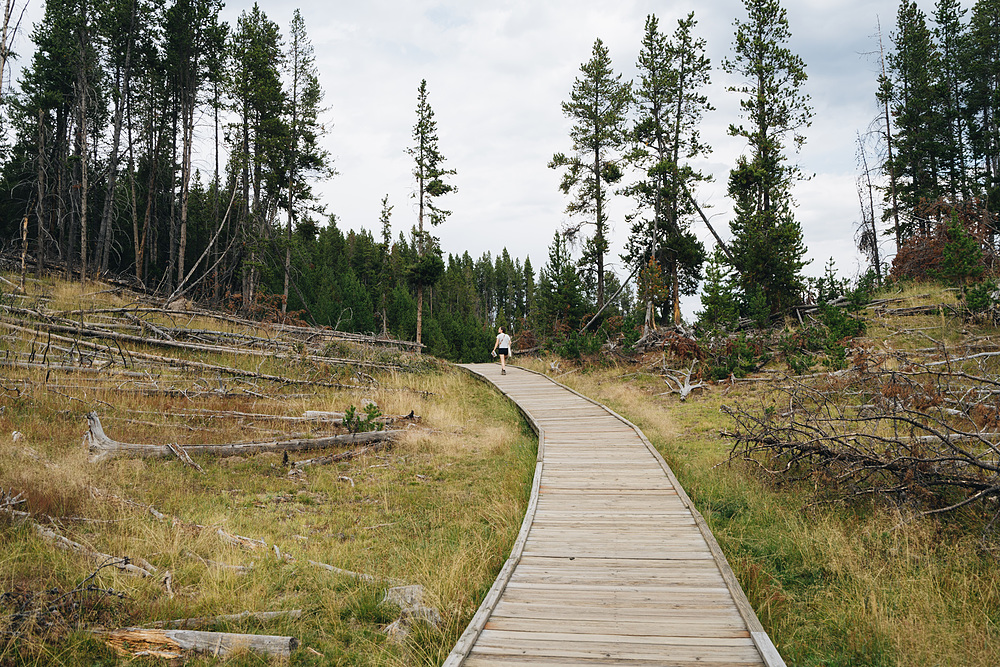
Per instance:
{"type": "Point", "coordinates": [478, 660]}
{"type": "Point", "coordinates": [556, 647]}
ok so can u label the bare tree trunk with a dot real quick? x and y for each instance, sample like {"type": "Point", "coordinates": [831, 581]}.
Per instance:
{"type": "Point", "coordinates": [122, 78]}
{"type": "Point", "coordinates": [82, 146]}
{"type": "Point", "coordinates": [599, 235]}
{"type": "Point", "coordinates": [677, 295]}
{"type": "Point", "coordinates": [172, 241]}
{"type": "Point", "coordinates": [420, 309]}
{"type": "Point", "coordinates": [187, 127]}
{"type": "Point", "coordinates": [24, 251]}
{"type": "Point", "coordinates": [40, 209]}
{"type": "Point", "coordinates": [216, 287]}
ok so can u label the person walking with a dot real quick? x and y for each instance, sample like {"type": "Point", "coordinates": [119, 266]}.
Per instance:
{"type": "Point", "coordinates": [502, 347]}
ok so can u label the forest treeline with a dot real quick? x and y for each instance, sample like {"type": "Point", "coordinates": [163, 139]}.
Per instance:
{"type": "Point", "coordinates": [119, 97]}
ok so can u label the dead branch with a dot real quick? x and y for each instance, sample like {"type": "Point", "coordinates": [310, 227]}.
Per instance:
{"type": "Point", "coordinates": [136, 566]}
{"type": "Point", "coordinates": [919, 435]}
{"type": "Point", "coordinates": [195, 623]}
{"type": "Point", "coordinates": [176, 450]}
{"type": "Point", "coordinates": [104, 447]}
{"type": "Point", "coordinates": [105, 334]}
{"type": "Point", "coordinates": [343, 456]}
{"type": "Point", "coordinates": [173, 644]}
{"type": "Point", "coordinates": [919, 310]}
{"type": "Point", "coordinates": [683, 388]}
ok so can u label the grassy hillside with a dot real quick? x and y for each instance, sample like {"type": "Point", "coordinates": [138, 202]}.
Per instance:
{"type": "Point", "coordinates": [439, 509]}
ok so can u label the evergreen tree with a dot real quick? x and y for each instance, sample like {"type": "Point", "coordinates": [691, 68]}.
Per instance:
{"type": "Point", "coordinates": [767, 246]}
{"type": "Point", "coordinates": [306, 158]}
{"type": "Point", "coordinates": [915, 95]}
{"type": "Point", "coordinates": [961, 256]}
{"type": "Point", "coordinates": [193, 33]}
{"type": "Point", "coordinates": [982, 104]}
{"type": "Point", "coordinates": [429, 174]}
{"type": "Point", "coordinates": [951, 39]}
{"type": "Point", "coordinates": [670, 105]}
{"type": "Point", "coordinates": [260, 137]}
{"type": "Point", "coordinates": [719, 298]}
{"type": "Point", "coordinates": [559, 293]}
{"type": "Point", "coordinates": [598, 105]}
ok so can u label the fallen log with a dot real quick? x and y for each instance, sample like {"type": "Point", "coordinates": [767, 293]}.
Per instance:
{"type": "Point", "coordinates": [124, 564]}
{"type": "Point", "coordinates": [104, 447]}
{"type": "Point", "coordinates": [193, 623]}
{"type": "Point", "coordinates": [105, 334]}
{"type": "Point", "coordinates": [172, 644]}
{"type": "Point", "coordinates": [342, 456]}
{"type": "Point", "coordinates": [136, 566]}
{"type": "Point", "coordinates": [920, 310]}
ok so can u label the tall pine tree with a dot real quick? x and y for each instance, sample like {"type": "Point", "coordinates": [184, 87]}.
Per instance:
{"type": "Point", "coordinates": [670, 104]}
{"type": "Point", "coordinates": [429, 172]}
{"type": "Point", "coordinates": [598, 105]}
{"type": "Point", "coordinates": [767, 248]}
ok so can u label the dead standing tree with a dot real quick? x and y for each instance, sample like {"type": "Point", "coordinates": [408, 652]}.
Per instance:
{"type": "Point", "coordinates": [925, 435]}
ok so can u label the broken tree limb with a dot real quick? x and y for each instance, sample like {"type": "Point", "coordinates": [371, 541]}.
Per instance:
{"type": "Point", "coordinates": [704, 218]}
{"type": "Point", "coordinates": [176, 450]}
{"type": "Point", "coordinates": [683, 388]}
{"type": "Point", "coordinates": [125, 564]}
{"type": "Point", "coordinates": [186, 363]}
{"type": "Point", "coordinates": [175, 643]}
{"type": "Point", "coordinates": [104, 447]}
{"type": "Point", "coordinates": [343, 456]}
{"type": "Point", "coordinates": [106, 334]}
{"type": "Point", "coordinates": [195, 623]}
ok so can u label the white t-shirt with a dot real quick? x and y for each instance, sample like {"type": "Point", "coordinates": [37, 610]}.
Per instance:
{"type": "Point", "coordinates": [503, 341]}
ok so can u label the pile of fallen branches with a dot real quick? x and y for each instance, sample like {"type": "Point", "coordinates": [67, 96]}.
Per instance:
{"type": "Point", "coordinates": [924, 434]}
{"type": "Point", "coordinates": [29, 612]}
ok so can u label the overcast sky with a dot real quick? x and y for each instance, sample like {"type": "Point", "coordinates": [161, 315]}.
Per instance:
{"type": "Point", "coordinates": [497, 72]}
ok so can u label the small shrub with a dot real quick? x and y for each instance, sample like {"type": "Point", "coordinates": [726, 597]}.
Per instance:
{"type": "Point", "coordinates": [370, 420]}
{"type": "Point", "coordinates": [757, 308]}
{"type": "Point", "coordinates": [737, 356]}
{"type": "Point", "coordinates": [980, 298]}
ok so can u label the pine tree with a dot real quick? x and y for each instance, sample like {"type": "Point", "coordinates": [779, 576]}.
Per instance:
{"type": "Point", "coordinates": [767, 247]}
{"type": "Point", "coordinates": [559, 293]}
{"type": "Point", "coordinates": [306, 158]}
{"type": "Point", "coordinates": [670, 103]}
{"type": "Point", "coordinates": [951, 39]}
{"type": "Point", "coordinates": [983, 99]}
{"type": "Point", "coordinates": [915, 95]}
{"type": "Point", "coordinates": [598, 105]}
{"type": "Point", "coordinates": [193, 33]}
{"type": "Point", "coordinates": [260, 137]}
{"type": "Point", "coordinates": [429, 174]}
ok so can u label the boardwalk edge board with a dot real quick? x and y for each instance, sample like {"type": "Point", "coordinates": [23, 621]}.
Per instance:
{"type": "Point", "coordinates": [765, 647]}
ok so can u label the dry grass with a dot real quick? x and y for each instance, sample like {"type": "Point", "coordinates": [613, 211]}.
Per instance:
{"type": "Point", "coordinates": [441, 509]}
{"type": "Point", "coordinates": [833, 585]}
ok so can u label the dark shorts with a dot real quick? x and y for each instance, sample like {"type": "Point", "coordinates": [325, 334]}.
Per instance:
{"type": "Point", "coordinates": [503, 351]}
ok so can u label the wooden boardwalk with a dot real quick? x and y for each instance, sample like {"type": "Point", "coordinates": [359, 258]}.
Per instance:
{"type": "Point", "coordinates": [613, 565]}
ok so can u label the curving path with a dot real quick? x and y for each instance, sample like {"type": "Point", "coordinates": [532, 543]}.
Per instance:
{"type": "Point", "coordinates": [613, 565]}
